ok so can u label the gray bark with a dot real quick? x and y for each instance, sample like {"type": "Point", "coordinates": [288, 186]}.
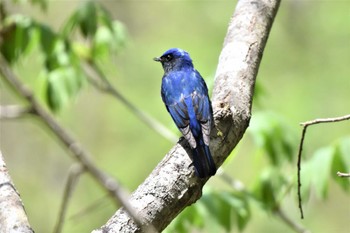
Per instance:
{"type": "Point", "coordinates": [13, 217]}
{"type": "Point", "coordinates": [172, 186]}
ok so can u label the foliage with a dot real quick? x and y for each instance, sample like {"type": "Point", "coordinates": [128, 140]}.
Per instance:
{"type": "Point", "coordinates": [89, 34]}
{"type": "Point", "coordinates": [278, 143]}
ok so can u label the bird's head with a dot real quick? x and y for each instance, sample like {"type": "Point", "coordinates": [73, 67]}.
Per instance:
{"type": "Point", "coordinates": [174, 59]}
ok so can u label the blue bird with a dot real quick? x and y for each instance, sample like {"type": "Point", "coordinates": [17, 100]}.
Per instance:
{"type": "Point", "coordinates": [185, 96]}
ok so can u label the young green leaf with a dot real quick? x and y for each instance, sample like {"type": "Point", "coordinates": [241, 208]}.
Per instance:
{"type": "Point", "coordinates": [62, 84]}
{"type": "Point", "coordinates": [239, 206]}
{"type": "Point", "coordinates": [218, 209]}
{"type": "Point", "coordinates": [16, 38]}
{"type": "Point", "coordinates": [317, 170]}
{"type": "Point", "coordinates": [272, 134]}
{"type": "Point", "coordinates": [341, 162]}
{"type": "Point", "coordinates": [87, 18]}
{"type": "Point", "coordinates": [268, 188]}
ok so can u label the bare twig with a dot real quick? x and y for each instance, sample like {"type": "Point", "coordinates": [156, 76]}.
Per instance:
{"type": "Point", "coordinates": [305, 125]}
{"type": "Point", "coordinates": [13, 111]}
{"type": "Point", "coordinates": [344, 175]}
{"type": "Point", "coordinates": [74, 173]}
{"type": "Point", "coordinates": [79, 153]}
{"type": "Point", "coordinates": [97, 78]}
{"type": "Point", "coordinates": [325, 120]}
{"type": "Point", "coordinates": [12, 214]}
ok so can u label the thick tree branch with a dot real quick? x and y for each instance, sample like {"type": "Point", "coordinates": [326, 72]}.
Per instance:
{"type": "Point", "coordinates": [13, 217]}
{"type": "Point", "coordinates": [172, 185]}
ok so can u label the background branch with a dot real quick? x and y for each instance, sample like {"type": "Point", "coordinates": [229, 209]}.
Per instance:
{"type": "Point", "coordinates": [13, 111]}
{"type": "Point", "coordinates": [79, 153]}
{"type": "Point", "coordinates": [13, 217]}
{"type": "Point", "coordinates": [303, 133]}
{"type": "Point", "coordinates": [97, 78]}
{"type": "Point", "coordinates": [74, 173]}
{"type": "Point", "coordinates": [172, 185]}
{"type": "Point", "coordinates": [342, 174]}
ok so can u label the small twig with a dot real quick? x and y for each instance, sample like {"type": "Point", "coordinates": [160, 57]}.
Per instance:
{"type": "Point", "coordinates": [344, 175]}
{"type": "Point", "coordinates": [325, 120]}
{"type": "Point", "coordinates": [305, 125]}
{"type": "Point", "coordinates": [97, 78]}
{"type": "Point", "coordinates": [82, 156]}
{"type": "Point", "coordinates": [74, 173]}
{"type": "Point", "coordinates": [13, 111]}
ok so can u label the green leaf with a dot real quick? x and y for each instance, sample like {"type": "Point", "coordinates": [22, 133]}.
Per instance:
{"type": "Point", "coordinates": [70, 25]}
{"type": "Point", "coordinates": [87, 18]}
{"type": "Point", "coordinates": [316, 171]}
{"type": "Point", "coordinates": [273, 135]}
{"type": "Point", "coordinates": [48, 40]}
{"type": "Point", "coordinates": [57, 94]}
{"type": "Point", "coordinates": [191, 216]}
{"type": "Point", "coordinates": [62, 84]}
{"type": "Point", "coordinates": [102, 41]}
{"type": "Point", "coordinates": [109, 40]}
{"type": "Point", "coordinates": [268, 188]}
{"type": "Point", "coordinates": [322, 161]}
{"type": "Point", "coordinates": [341, 162]}
{"type": "Point", "coordinates": [16, 38]}
{"type": "Point", "coordinates": [218, 209]}
{"type": "Point", "coordinates": [240, 207]}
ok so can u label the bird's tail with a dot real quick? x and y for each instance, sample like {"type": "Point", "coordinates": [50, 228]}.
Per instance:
{"type": "Point", "coordinates": [203, 161]}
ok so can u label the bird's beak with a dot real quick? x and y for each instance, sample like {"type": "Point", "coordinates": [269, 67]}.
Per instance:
{"type": "Point", "coordinates": [157, 59]}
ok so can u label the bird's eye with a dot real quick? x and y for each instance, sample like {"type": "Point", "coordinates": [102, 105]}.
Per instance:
{"type": "Point", "coordinates": [168, 57]}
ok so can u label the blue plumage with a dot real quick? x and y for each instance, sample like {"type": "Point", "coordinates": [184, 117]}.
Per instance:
{"type": "Point", "coordinates": [185, 95]}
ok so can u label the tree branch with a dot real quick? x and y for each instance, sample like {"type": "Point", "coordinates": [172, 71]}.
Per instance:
{"type": "Point", "coordinates": [303, 133]}
{"type": "Point", "coordinates": [74, 173]}
{"type": "Point", "coordinates": [344, 175]}
{"type": "Point", "coordinates": [172, 185]}
{"type": "Point", "coordinates": [13, 217]}
{"type": "Point", "coordinates": [79, 153]}
{"type": "Point", "coordinates": [13, 111]}
{"type": "Point", "coordinates": [99, 80]}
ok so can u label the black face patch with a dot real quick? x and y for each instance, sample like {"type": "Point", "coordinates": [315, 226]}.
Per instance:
{"type": "Point", "coordinates": [167, 57]}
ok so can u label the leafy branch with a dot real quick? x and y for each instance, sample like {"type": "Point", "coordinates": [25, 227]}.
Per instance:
{"type": "Point", "coordinates": [83, 157]}
{"type": "Point", "coordinates": [305, 126]}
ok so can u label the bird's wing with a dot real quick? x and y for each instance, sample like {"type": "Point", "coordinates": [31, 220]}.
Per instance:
{"type": "Point", "coordinates": [179, 113]}
{"type": "Point", "coordinates": [202, 108]}
{"type": "Point", "coordinates": [190, 103]}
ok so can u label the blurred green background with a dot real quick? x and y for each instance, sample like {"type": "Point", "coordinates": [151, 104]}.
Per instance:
{"type": "Point", "coordinates": [304, 74]}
